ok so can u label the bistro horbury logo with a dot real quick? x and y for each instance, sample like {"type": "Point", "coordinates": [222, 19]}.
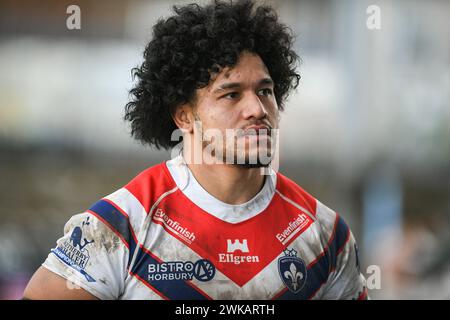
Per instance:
{"type": "Point", "coordinates": [202, 270]}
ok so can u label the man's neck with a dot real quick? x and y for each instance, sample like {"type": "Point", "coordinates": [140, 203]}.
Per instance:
{"type": "Point", "coordinates": [231, 184]}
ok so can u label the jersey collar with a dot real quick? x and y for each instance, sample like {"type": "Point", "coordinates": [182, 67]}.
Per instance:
{"type": "Point", "coordinates": [192, 189]}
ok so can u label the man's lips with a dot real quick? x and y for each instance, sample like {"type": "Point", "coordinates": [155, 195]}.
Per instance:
{"type": "Point", "coordinates": [257, 130]}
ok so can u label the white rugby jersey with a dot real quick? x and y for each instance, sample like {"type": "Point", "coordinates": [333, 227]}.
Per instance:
{"type": "Point", "coordinates": [162, 236]}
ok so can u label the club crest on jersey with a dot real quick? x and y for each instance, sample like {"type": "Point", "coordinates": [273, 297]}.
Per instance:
{"type": "Point", "coordinates": [73, 251]}
{"type": "Point", "coordinates": [292, 270]}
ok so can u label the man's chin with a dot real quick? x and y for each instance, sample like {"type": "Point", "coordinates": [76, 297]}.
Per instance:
{"type": "Point", "coordinates": [254, 162]}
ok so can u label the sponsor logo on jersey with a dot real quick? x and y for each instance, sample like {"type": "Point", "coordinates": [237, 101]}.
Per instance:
{"type": "Point", "coordinates": [232, 247]}
{"type": "Point", "coordinates": [202, 270]}
{"type": "Point", "coordinates": [292, 270]}
{"type": "Point", "coordinates": [232, 257]}
{"type": "Point", "coordinates": [173, 226]}
{"type": "Point", "coordinates": [73, 251]}
{"type": "Point", "coordinates": [294, 226]}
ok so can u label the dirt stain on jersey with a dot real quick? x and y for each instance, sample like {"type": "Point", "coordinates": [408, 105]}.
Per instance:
{"type": "Point", "coordinates": [104, 237]}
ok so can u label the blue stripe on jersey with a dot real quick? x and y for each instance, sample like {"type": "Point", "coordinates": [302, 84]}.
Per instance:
{"type": "Point", "coordinates": [339, 241]}
{"type": "Point", "coordinates": [172, 289]}
{"type": "Point", "coordinates": [317, 275]}
{"type": "Point", "coordinates": [118, 222]}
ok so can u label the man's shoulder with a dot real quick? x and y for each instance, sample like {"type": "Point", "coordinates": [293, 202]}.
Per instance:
{"type": "Point", "coordinates": [290, 190]}
{"type": "Point", "coordinates": [138, 195]}
{"type": "Point", "coordinates": [150, 184]}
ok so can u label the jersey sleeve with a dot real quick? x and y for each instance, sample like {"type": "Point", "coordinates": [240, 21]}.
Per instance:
{"type": "Point", "coordinates": [345, 281]}
{"type": "Point", "coordinates": [91, 256]}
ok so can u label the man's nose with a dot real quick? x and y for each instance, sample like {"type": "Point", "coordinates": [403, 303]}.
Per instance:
{"type": "Point", "coordinates": [253, 107]}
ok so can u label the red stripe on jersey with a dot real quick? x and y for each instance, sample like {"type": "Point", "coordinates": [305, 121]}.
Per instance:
{"type": "Point", "coordinates": [275, 297]}
{"type": "Point", "coordinates": [150, 184]}
{"type": "Point", "coordinates": [339, 251]}
{"type": "Point", "coordinates": [149, 286]}
{"type": "Point", "coordinates": [328, 243]}
{"type": "Point", "coordinates": [296, 193]}
{"type": "Point", "coordinates": [345, 243]}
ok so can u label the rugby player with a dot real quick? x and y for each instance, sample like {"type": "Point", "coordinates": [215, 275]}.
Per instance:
{"type": "Point", "coordinates": [216, 221]}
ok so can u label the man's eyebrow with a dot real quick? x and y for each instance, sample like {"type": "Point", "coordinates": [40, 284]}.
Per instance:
{"type": "Point", "coordinates": [226, 86]}
{"type": "Point", "coordinates": [266, 81]}
{"type": "Point", "coordinates": [233, 85]}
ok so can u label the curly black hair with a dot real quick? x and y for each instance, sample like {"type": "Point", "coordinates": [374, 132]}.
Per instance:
{"type": "Point", "coordinates": [195, 42]}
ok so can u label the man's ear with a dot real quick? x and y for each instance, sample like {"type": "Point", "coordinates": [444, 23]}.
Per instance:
{"type": "Point", "coordinates": [184, 118]}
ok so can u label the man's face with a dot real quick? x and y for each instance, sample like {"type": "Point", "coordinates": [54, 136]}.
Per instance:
{"type": "Point", "coordinates": [237, 114]}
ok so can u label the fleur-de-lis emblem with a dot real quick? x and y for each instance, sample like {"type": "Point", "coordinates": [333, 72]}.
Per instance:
{"type": "Point", "coordinates": [294, 276]}
{"type": "Point", "coordinates": [292, 270]}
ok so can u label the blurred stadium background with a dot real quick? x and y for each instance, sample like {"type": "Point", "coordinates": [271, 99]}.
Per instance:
{"type": "Point", "coordinates": [367, 132]}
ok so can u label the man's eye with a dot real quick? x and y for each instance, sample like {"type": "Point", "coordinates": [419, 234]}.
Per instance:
{"type": "Point", "coordinates": [266, 92]}
{"type": "Point", "coordinates": [231, 95]}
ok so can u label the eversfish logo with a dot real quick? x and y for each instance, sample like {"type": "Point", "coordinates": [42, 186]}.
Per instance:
{"type": "Point", "coordinates": [174, 226]}
{"type": "Point", "coordinates": [202, 270]}
{"type": "Point", "coordinates": [295, 226]}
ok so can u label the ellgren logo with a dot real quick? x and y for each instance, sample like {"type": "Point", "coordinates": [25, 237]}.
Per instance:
{"type": "Point", "coordinates": [73, 252]}
{"type": "Point", "coordinates": [232, 247]}
{"type": "Point", "coordinates": [292, 271]}
{"type": "Point", "coordinates": [202, 270]}
{"type": "Point", "coordinates": [237, 245]}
